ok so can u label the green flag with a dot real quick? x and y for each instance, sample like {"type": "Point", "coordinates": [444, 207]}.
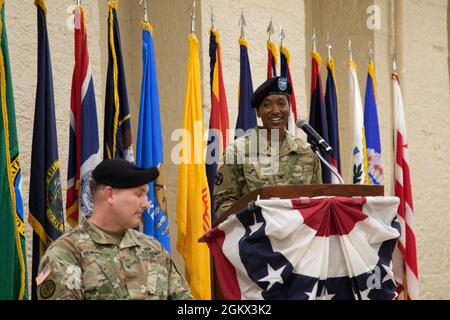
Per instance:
{"type": "Point", "coordinates": [13, 275]}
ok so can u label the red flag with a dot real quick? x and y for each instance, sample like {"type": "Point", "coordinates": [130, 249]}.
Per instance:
{"type": "Point", "coordinates": [407, 275]}
{"type": "Point", "coordinates": [84, 147]}
{"type": "Point", "coordinates": [218, 123]}
{"type": "Point", "coordinates": [219, 109]}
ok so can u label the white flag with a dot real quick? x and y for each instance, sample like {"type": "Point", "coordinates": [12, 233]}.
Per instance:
{"type": "Point", "coordinates": [360, 167]}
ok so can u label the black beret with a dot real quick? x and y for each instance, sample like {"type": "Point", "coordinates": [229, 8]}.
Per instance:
{"type": "Point", "coordinates": [276, 85]}
{"type": "Point", "coordinates": [119, 173]}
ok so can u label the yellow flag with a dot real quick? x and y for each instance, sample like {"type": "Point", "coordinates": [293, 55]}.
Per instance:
{"type": "Point", "coordinates": [193, 200]}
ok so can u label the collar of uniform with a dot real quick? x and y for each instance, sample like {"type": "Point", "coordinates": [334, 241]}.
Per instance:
{"type": "Point", "coordinates": [129, 239]}
{"type": "Point", "coordinates": [288, 145]}
{"type": "Point", "coordinates": [100, 237]}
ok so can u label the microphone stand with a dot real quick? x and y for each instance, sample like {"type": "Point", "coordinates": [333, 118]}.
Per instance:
{"type": "Point", "coordinates": [315, 148]}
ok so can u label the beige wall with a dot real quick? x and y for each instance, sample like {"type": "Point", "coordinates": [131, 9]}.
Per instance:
{"type": "Point", "coordinates": [425, 83]}
{"type": "Point", "coordinates": [419, 28]}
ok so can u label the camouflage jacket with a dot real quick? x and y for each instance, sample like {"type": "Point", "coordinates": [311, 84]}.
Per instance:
{"type": "Point", "coordinates": [246, 168]}
{"type": "Point", "coordinates": [88, 263]}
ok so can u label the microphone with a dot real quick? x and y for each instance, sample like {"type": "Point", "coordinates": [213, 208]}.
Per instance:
{"type": "Point", "coordinates": [313, 136]}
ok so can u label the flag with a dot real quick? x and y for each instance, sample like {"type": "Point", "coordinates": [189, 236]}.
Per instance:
{"type": "Point", "coordinates": [329, 248]}
{"type": "Point", "coordinates": [218, 121]}
{"type": "Point", "coordinates": [272, 61]}
{"type": "Point", "coordinates": [375, 166]}
{"type": "Point", "coordinates": [318, 113]}
{"type": "Point", "coordinates": [246, 119]}
{"type": "Point", "coordinates": [84, 147]}
{"type": "Point", "coordinates": [360, 170]}
{"type": "Point", "coordinates": [149, 145]}
{"type": "Point", "coordinates": [45, 199]}
{"type": "Point", "coordinates": [117, 130]}
{"type": "Point", "coordinates": [285, 58]}
{"type": "Point", "coordinates": [408, 277]}
{"type": "Point", "coordinates": [193, 201]}
{"type": "Point", "coordinates": [13, 269]}
{"type": "Point", "coordinates": [331, 102]}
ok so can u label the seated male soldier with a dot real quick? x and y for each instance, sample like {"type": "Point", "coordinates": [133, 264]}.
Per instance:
{"type": "Point", "coordinates": [103, 257]}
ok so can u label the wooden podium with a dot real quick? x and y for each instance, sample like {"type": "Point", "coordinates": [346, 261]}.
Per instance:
{"type": "Point", "coordinates": [291, 192]}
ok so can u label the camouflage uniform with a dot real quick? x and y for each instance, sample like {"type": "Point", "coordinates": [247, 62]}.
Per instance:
{"type": "Point", "coordinates": [297, 164]}
{"type": "Point", "coordinates": [88, 263]}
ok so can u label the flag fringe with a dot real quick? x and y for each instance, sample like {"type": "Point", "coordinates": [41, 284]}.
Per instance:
{"type": "Point", "coordinates": [69, 215]}
{"type": "Point", "coordinates": [285, 51]}
{"type": "Point", "coordinates": [147, 26]}
{"type": "Point", "coordinates": [353, 64]}
{"type": "Point", "coordinates": [216, 34]}
{"type": "Point", "coordinates": [316, 56]}
{"type": "Point", "coordinates": [38, 228]}
{"type": "Point", "coordinates": [371, 70]}
{"type": "Point", "coordinates": [243, 42]}
{"type": "Point", "coordinates": [112, 6]}
{"type": "Point", "coordinates": [273, 49]}
{"type": "Point", "coordinates": [41, 4]}
{"type": "Point", "coordinates": [83, 15]}
{"type": "Point", "coordinates": [331, 66]}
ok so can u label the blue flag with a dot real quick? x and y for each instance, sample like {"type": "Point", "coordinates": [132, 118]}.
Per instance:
{"type": "Point", "coordinates": [318, 112]}
{"type": "Point", "coordinates": [45, 201]}
{"type": "Point", "coordinates": [247, 115]}
{"type": "Point", "coordinates": [372, 129]}
{"type": "Point", "coordinates": [149, 149]}
{"type": "Point", "coordinates": [117, 132]}
{"type": "Point", "coordinates": [331, 101]}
